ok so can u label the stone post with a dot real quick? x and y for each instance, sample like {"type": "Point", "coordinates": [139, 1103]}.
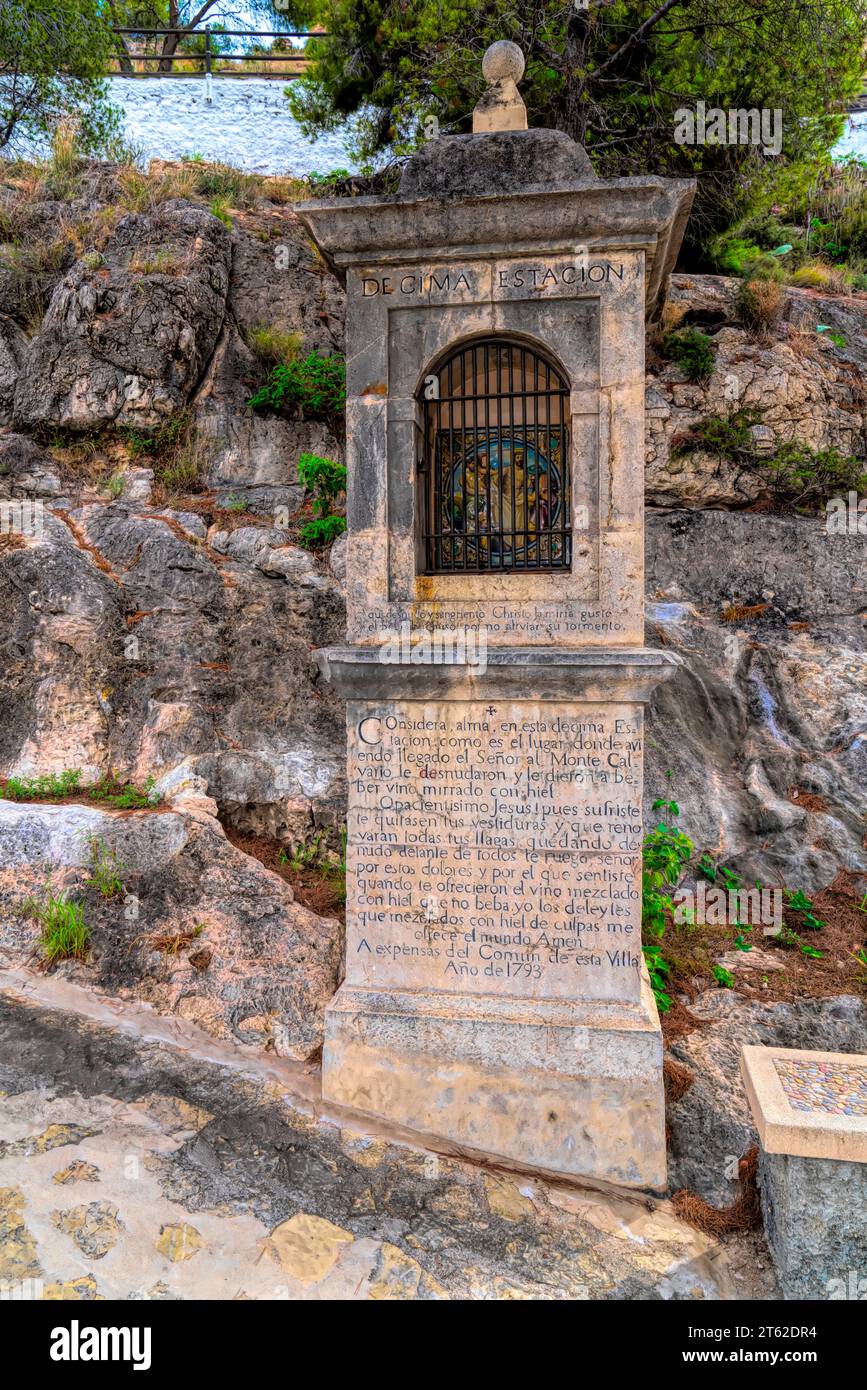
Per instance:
{"type": "Point", "coordinates": [495, 992]}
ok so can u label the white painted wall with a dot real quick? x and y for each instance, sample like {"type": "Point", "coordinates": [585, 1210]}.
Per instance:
{"type": "Point", "coordinates": [246, 124]}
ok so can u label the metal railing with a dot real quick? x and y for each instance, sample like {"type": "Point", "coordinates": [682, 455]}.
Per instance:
{"type": "Point", "coordinates": [211, 57]}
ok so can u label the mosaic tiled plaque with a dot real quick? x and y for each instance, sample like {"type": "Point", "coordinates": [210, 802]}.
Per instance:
{"type": "Point", "coordinates": [832, 1088]}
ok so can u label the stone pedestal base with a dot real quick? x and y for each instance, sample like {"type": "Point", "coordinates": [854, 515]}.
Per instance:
{"type": "Point", "coordinates": [575, 1088]}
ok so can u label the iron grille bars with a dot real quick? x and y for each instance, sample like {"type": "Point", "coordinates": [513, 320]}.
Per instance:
{"type": "Point", "coordinates": [495, 480]}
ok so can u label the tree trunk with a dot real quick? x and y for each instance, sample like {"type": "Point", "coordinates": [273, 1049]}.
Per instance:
{"type": "Point", "coordinates": [170, 44]}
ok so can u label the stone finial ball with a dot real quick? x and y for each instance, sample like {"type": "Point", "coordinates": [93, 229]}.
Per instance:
{"type": "Point", "coordinates": [503, 60]}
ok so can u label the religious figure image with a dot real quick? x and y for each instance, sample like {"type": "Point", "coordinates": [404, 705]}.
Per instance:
{"type": "Point", "coordinates": [501, 499]}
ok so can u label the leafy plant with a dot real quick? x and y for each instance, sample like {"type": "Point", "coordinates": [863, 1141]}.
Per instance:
{"type": "Point", "coordinates": [318, 534]}
{"type": "Point", "coordinates": [805, 478]}
{"type": "Point", "coordinates": [52, 59]}
{"type": "Point", "coordinates": [797, 475]}
{"type": "Point", "coordinates": [800, 903]}
{"type": "Point", "coordinates": [43, 787]}
{"type": "Point", "coordinates": [304, 856]}
{"type": "Point", "coordinates": [728, 435]}
{"type": "Point", "coordinates": [658, 968]}
{"type": "Point", "coordinates": [692, 351]}
{"type": "Point", "coordinates": [64, 931]}
{"type": "Point", "coordinates": [106, 869]}
{"type": "Point", "coordinates": [109, 790]}
{"type": "Point", "coordinates": [311, 856]}
{"type": "Point", "coordinates": [724, 978]}
{"type": "Point", "coordinates": [326, 480]}
{"type": "Point", "coordinates": [790, 940]}
{"type": "Point", "coordinates": [665, 851]}
{"type": "Point", "coordinates": [123, 796]}
{"type": "Point", "coordinates": [314, 386]}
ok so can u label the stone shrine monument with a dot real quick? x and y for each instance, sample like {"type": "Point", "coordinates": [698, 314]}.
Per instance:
{"type": "Point", "coordinates": [495, 671]}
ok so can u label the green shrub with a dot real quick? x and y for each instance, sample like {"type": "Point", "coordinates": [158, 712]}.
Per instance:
{"type": "Point", "coordinates": [43, 787]}
{"type": "Point", "coordinates": [110, 790]}
{"type": "Point", "coordinates": [123, 796]}
{"type": "Point", "coordinates": [315, 387]}
{"type": "Point", "coordinates": [797, 475]}
{"type": "Point", "coordinates": [326, 480]}
{"type": "Point", "coordinates": [665, 852]}
{"type": "Point", "coordinates": [805, 478]}
{"type": "Point", "coordinates": [728, 435]}
{"type": "Point", "coordinates": [322, 532]}
{"type": "Point", "coordinates": [692, 351]}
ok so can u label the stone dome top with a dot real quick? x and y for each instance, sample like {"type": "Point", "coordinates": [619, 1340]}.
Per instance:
{"type": "Point", "coordinates": [503, 161]}
{"type": "Point", "coordinates": [502, 62]}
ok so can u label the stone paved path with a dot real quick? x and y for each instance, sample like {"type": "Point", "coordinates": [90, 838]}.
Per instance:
{"type": "Point", "coordinates": [134, 1168]}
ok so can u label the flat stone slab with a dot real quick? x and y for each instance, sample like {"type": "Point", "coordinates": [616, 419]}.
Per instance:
{"type": "Point", "coordinates": [808, 1104]}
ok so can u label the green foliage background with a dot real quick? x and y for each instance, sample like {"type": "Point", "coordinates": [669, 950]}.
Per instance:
{"type": "Point", "coordinates": [611, 76]}
{"type": "Point", "coordinates": [52, 57]}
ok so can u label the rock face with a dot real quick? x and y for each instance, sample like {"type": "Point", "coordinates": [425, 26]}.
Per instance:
{"type": "Point", "coordinates": [127, 333]}
{"type": "Point", "coordinates": [711, 1126]}
{"type": "Point", "coordinates": [766, 611]}
{"type": "Point", "coordinates": [805, 388]}
{"type": "Point", "coordinates": [199, 930]}
{"type": "Point", "coordinates": [169, 641]}
{"type": "Point", "coordinates": [277, 282]}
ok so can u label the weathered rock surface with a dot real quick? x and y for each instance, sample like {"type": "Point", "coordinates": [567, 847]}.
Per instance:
{"type": "Point", "coordinates": [711, 1125]}
{"type": "Point", "coordinates": [805, 388]}
{"type": "Point", "coordinates": [134, 638]}
{"type": "Point", "coordinates": [246, 1188]}
{"type": "Point", "coordinates": [279, 283]}
{"type": "Point", "coordinates": [128, 333]}
{"type": "Point", "coordinates": [199, 930]}
{"type": "Point", "coordinates": [814, 1222]}
{"type": "Point", "coordinates": [767, 612]}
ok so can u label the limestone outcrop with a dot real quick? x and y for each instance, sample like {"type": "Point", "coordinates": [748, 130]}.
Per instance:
{"type": "Point", "coordinates": [129, 330]}
{"type": "Point", "coordinates": [802, 387]}
{"type": "Point", "coordinates": [195, 928]}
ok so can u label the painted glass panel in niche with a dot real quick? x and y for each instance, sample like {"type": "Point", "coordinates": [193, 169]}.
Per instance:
{"type": "Point", "coordinates": [494, 474]}
{"type": "Point", "coordinates": [502, 499]}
